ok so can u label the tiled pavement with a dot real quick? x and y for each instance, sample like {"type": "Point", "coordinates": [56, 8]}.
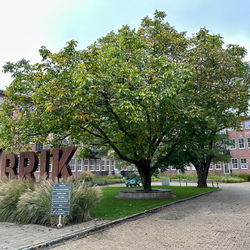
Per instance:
{"type": "Point", "coordinates": [219, 220]}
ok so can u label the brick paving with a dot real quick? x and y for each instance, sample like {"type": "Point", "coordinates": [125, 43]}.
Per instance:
{"type": "Point", "coordinates": [15, 236]}
{"type": "Point", "coordinates": [220, 220]}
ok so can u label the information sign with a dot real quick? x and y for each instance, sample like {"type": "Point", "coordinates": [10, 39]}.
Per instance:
{"type": "Point", "coordinates": [61, 199]}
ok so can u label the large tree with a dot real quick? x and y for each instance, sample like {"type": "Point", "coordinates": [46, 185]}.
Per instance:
{"type": "Point", "coordinates": [201, 144]}
{"type": "Point", "coordinates": [132, 91]}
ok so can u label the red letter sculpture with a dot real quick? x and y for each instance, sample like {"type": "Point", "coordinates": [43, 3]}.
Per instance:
{"type": "Point", "coordinates": [61, 161]}
{"type": "Point", "coordinates": [31, 168]}
{"type": "Point", "coordinates": [9, 165]}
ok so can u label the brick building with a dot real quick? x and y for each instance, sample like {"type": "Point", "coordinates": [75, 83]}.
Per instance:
{"type": "Point", "coordinates": [239, 151]}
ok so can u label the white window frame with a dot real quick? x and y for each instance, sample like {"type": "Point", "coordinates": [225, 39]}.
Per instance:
{"type": "Point", "coordinates": [108, 164]}
{"type": "Point", "coordinates": [232, 147]}
{"type": "Point", "coordinates": [67, 140]}
{"type": "Point", "coordinates": [224, 146]}
{"type": "Point", "coordinates": [50, 165]}
{"type": "Point", "coordinates": [243, 165]}
{"type": "Point", "coordinates": [247, 124]}
{"type": "Point", "coordinates": [228, 167]}
{"type": "Point", "coordinates": [38, 166]}
{"type": "Point", "coordinates": [112, 165]}
{"type": "Point", "coordinates": [97, 164]}
{"type": "Point", "coordinates": [248, 142]}
{"type": "Point", "coordinates": [223, 132]}
{"type": "Point", "coordinates": [73, 165]}
{"type": "Point", "coordinates": [86, 165]}
{"type": "Point", "coordinates": [217, 166]}
{"type": "Point", "coordinates": [211, 166]}
{"type": "Point", "coordinates": [173, 168]}
{"type": "Point", "coordinates": [234, 162]}
{"type": "Point", "coordinates": [240, 144]}
{"type": "Point", "coordinates": [92, 165]}
{"type": "Point", "coordinates": [103, 165]}
{"type": "Point", "coordinates": [79, 165]}
{"type": "Point", "coordinates": [187, 167]}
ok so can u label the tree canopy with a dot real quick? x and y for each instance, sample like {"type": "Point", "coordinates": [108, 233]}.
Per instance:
{"type": "Point", "coordinates": [141, 93]}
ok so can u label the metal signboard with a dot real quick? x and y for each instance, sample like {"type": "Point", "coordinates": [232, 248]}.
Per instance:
{"type": "Point", "coordinates": [61, 199]}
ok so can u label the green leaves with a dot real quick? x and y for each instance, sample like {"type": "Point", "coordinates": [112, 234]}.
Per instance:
{"type": "Point", "coordinates": [132, 91]}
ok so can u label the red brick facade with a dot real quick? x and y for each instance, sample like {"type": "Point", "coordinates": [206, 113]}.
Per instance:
{"type": "Point", "coordinates": [240, 153]}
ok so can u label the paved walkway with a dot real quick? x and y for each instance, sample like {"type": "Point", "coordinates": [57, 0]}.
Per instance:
{"type": "Point", "coordinates": [220, 220]}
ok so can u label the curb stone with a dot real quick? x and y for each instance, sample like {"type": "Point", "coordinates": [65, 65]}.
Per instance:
{"type": "Point", "coordinates": [99, 228]}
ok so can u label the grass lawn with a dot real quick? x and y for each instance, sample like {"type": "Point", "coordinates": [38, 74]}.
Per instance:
{"type": "Point", "coordinates": [112, 208]}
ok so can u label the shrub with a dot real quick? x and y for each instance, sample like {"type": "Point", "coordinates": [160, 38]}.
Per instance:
{"type": "Point", "coordinates": [231, 179]}
{"type": "Point", "coordinates": [112, 181]}
{"type": "Point", "coordinates": [87, 176]}
{"type": "Point", "coordinates": [181, 176]}
{"type": "Point", "coordinates": [116, 176]}
{"type": "Point", "coordinates": [245, 176]}
{"type": "Point", "coordinates": [98, 182]}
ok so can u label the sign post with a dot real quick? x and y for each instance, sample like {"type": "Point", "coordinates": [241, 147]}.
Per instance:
{"type": "Point", "coordinates": [60, 200]}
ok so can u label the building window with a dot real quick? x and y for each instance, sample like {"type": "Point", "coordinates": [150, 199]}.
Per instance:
{"type": "Point", "coordinates": [218, 166]}
{"type": "Point", "coordinates": [79, 165]}
{"type": "Point", "coordinates": [223, 132]}
{"type": "Point", "coordinates": [247, 124]}
{"type": "Point", "coordinates": [92, 165]}
{"type": "Point", "coordinates": [193, 167]}
{"type": "Point", "coordinates": [98, 165]}
{"type": "Point", "coordinates": [103, 165]}
{"type": "Point", "coordinates": [232, 144]}
{"type": "Point", "coordinates": [234, 164]}
{"type": "Point", "coordinates": [38, 166]}
{"type": "Point", "coordinates": [50, 165]}
{"type": "Point", "coordinates": [243, 163]}
{"type": "Point", "coordinates": [211, 167]}
{"type": "Point", "coordinates": [248, 142]}
{"type": "Point", "coordinates": [173, 168]}
{"type": "Point", "coordinates": [226, 168]}
{"type": "Point", "coordinates": [112, 165]}
{"type": "Point", "coordinates": [241, 143]}
{"type": "Point", "coordinates": [86, 165]}
{"type": "Point", "coordinates": [187, 167]}
{"type": "Point", "coordinates": [224, 146]}
{"type": "Point", "coordinates": [39, 148]}
{"type": "Point", "coordinates": [73, 165]}
{"type": "Point", "coordinates": [66, 141]}
{"type": "Point", "coordinates": [108, 165]}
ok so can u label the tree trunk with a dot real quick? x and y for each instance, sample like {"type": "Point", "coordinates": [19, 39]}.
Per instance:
{"type": "Point", "coordinates": [202, 172]}
{"type": "Point", "coordinates": [144, 171]}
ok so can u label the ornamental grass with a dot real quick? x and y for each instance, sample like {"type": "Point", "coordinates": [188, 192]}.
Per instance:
{"type": "Point", "coordinates": [10, 193]}
{"type": "Point", "coordinates": [29, 202]}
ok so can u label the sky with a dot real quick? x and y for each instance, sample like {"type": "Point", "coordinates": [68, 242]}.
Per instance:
{"type": "Point", "coordinates": [26, 25]}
